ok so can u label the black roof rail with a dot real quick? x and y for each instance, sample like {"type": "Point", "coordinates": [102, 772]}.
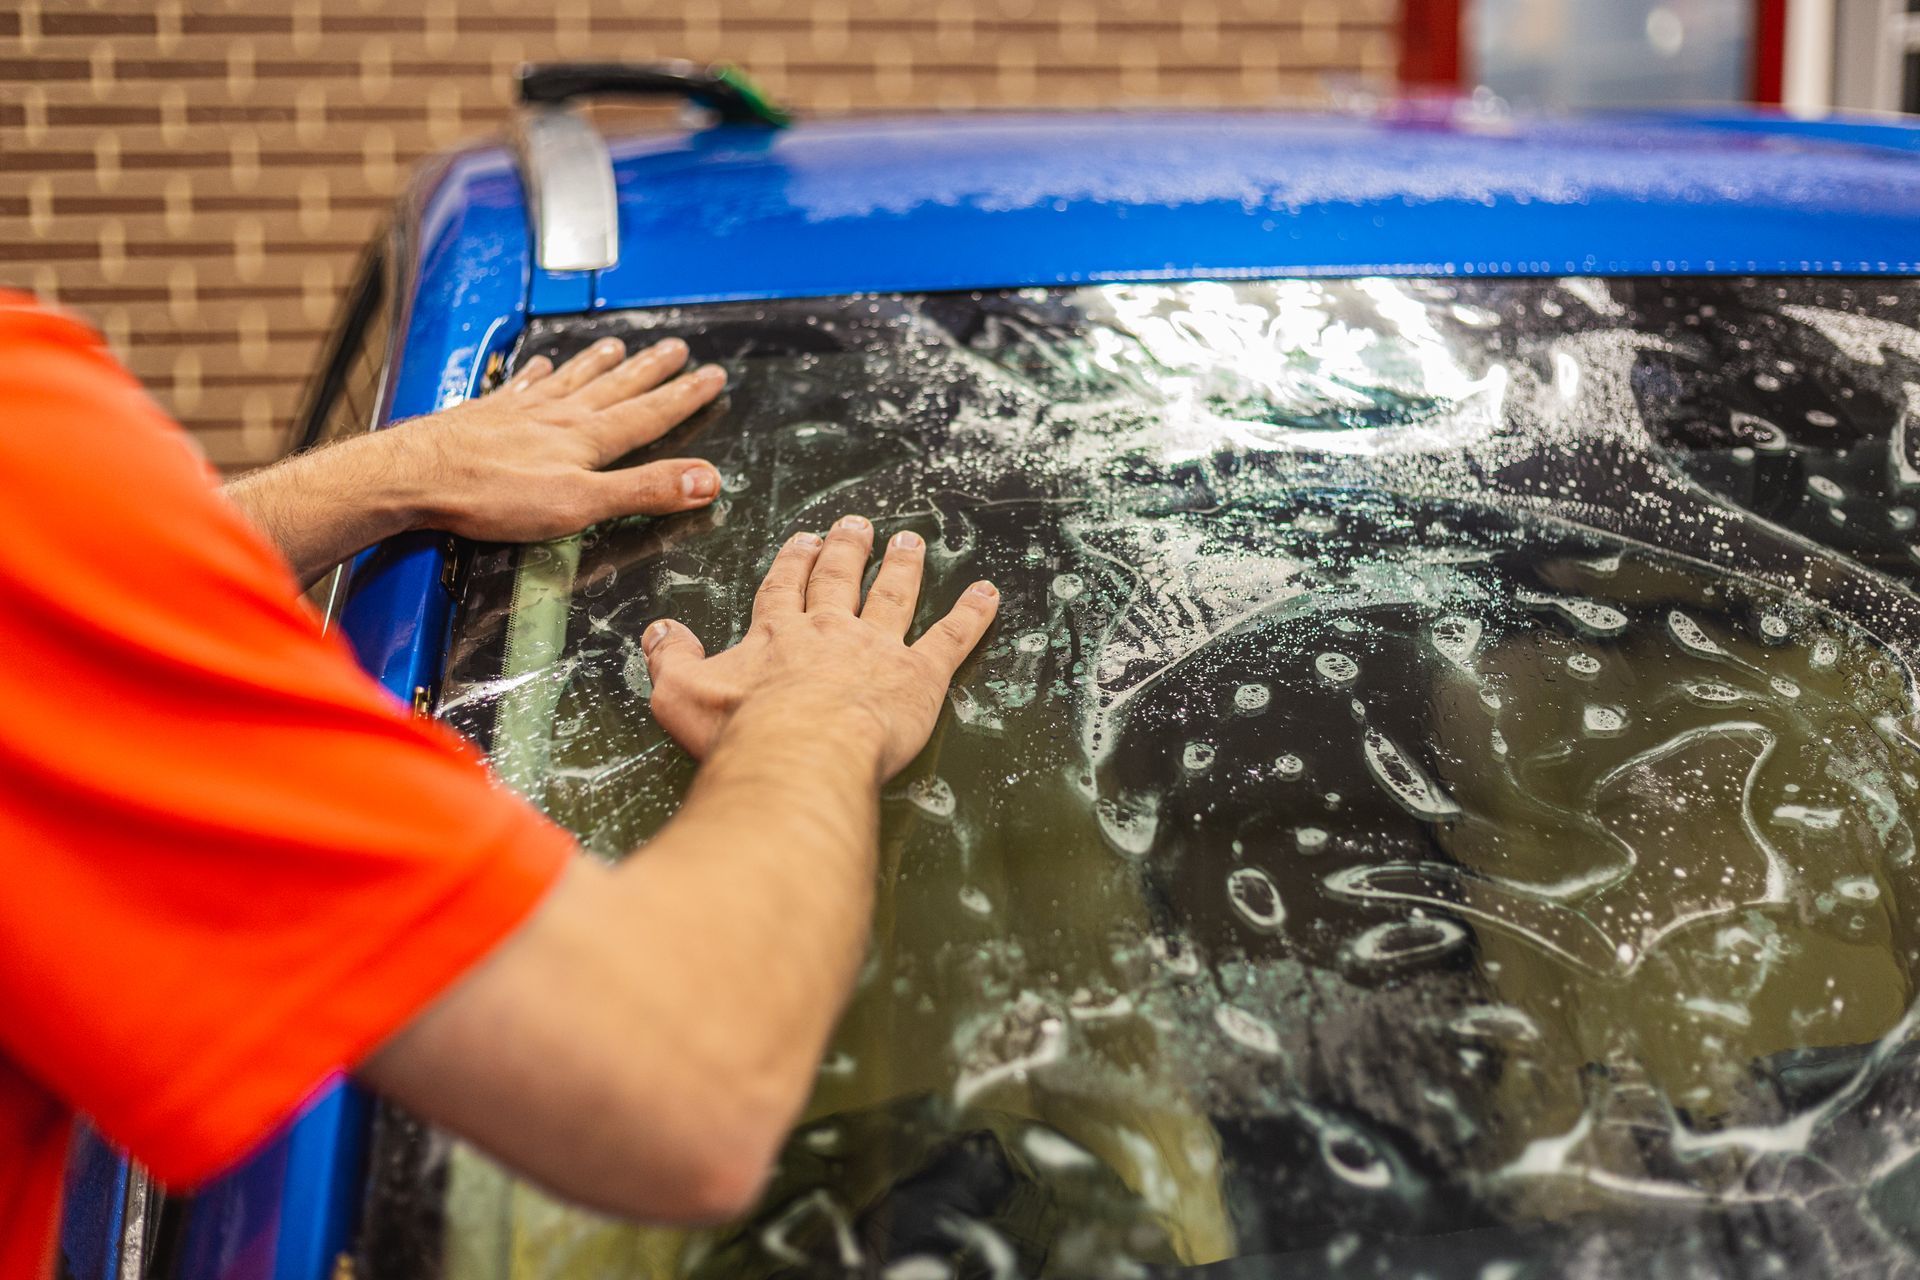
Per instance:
{"type": "Point", "coordinates": [721, 89]}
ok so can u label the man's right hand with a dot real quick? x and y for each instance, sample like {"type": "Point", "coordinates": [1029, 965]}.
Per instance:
{"type": "Point", "coordinates": [836, 670]}
{"type": "Point", "coordinates": [645, 1040]}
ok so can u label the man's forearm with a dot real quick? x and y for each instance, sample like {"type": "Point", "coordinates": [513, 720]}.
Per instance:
{"type": "Point", "coordinates": [665, 1018]}
{"type": "Point", "coordinates": [766, 876]}
{"type": "Point", "coordinates": [321, 508]}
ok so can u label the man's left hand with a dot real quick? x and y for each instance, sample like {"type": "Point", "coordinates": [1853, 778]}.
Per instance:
{"type": "Point", "coordinates": [521, 465]}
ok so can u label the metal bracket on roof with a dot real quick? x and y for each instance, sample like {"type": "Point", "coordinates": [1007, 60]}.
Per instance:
{"type": "Point", "coordinates": [570, 194]}
{"type": "Point", "coordinates": [569, 175]}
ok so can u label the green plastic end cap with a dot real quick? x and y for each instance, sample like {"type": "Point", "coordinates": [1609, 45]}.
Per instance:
{"type": "Point", "coordinates": [754, 103]}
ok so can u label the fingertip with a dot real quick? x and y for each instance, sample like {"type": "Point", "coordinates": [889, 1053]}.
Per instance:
{"type": "Point", "coordinates": [984, 594]}
{"type": "Point", "coordinates": [700, 484]}
{"type": "Point", "coordinates": [906, 541]}
{"type": "Point", "coordinates": [656, 631]}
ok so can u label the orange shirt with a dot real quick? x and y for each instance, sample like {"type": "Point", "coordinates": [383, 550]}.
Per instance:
{"type": "Point", "coordinates": [230, 864]}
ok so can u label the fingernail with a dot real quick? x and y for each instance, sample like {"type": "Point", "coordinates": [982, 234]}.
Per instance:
{"type": "Point", "coordinates": [985, 590]}
{"type": "Point", "coordinates": [804, 539]}
{"type": "Point", "coordinates": [671, 347]}
{"type": "Point", "coordinates": [611, 345]}
{"type": "Point", "coordinates": [905, 540]}
{"type": "Point", "coordinates": [851, 522]}
{"type": "Point", "coordinates": [711, 372]}
{"type": "Point", "coordinates": [699, 482]}
{"type": "Point", "coordinates": [652, 636]}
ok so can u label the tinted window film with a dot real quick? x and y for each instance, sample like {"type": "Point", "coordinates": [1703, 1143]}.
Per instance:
{"type": "Point", "coordinates": [1439, 797]}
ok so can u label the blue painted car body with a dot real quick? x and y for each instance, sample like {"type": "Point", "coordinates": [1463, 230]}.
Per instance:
{"type": "Point", "coordinates": [938, 203]}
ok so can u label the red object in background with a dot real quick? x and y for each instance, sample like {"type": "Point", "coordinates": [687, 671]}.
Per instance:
{"type": "Point", "coordinates": [1430, 44]}
{"type": "Point", "coordinates": [1769, 50]}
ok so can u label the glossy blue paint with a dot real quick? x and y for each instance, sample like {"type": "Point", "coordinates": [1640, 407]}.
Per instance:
{"type": "Point", "coordinates": [95, 1199]}
{"type": "Point", "coordinates": [964, 202]}
{"type": "Point", "coordinates": [325, 1184]}
{"type": "Point", "coordinates": [1892, 133]}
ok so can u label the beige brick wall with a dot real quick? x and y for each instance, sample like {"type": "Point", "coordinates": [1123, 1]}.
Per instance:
{"type": "Point", "coordinates": [197, 176]}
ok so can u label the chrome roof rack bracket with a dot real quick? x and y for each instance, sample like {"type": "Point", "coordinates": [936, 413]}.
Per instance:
{"type": "Point", "coordinates": [569, 175]}
{"type": "Point", "coordinates": [570, 194]}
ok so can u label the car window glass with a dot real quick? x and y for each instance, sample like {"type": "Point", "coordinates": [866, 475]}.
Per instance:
{"type": "Point", "coordinates": [1440, 792]}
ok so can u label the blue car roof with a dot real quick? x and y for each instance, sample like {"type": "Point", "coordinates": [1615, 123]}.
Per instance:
{"type": "Point", "coordinates": [955, 202]}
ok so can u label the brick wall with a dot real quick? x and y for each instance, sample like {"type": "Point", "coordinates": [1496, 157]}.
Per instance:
{"type": "Point", "coordinates": [197, 176]}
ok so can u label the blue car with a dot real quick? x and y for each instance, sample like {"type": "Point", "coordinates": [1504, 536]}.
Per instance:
{"type": "Point", "coordinates": [1441, 796]}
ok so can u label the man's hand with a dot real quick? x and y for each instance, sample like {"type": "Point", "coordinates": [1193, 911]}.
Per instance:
{"type": "Point", "coordinates": [837, 670]}
{"type": "Point", "coordinates": [722, 952]}
{"type": "Point", "coordinates": [522, 464]}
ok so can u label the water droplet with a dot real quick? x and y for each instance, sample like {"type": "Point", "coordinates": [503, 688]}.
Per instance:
{"type": "Point", "coordinates": [932, 796]}
{"type": "Point", "coordinates": [1584, 665]}
{"type": "Point", "coordinates": [1711, 692]}
{"type": "Point", "coordinates": [1290, 767]}
{"type": "Point", "coordinates": [1129, 822]}
{"type": "Point", "coordinates": [976, 901]}
{"type": "Point", "coordinates": [1051, 1151]}
{"type": "Point", "coordinates": [1178, 955]}
{"type": "Point", "coordinates": [1825, 488]}
{"type": "Point", "coordinates": [1246, 1030]}
{"type": "Point", "coordinates": [1456, 638]}
{"type": "Point", "coordinates": [1352, 1158]}
{"type": "Point", "coordinates": [1496, 1022]}
{"type": "Point", "coordinates": [1255, 899]}
{"type": "Point", "coordinates": [1336, 668]}
{"type": "Point", "coordinates": [1825, 653]}
{"type": "Point", "coordinates": [974, 714]}
{"type": "Point", "coordinates": [1773, 626]}
{"type": "Point", "coordinates": [1310, 839]}
{"type": "Point", "coordinates": [1068, 586]}
{"type": "Point", "coordinates": [1812, 819]}
{"type": "Point", "coordinates": [1406, 941]}
{"type": "Point", "coordinates": [1900, 518]}
{"type": "Point", "coordinates": [1858, 889]}
{"type": "Point", "coordinates": [1784, 687]}
{"type": "Point", "coordinates": [1692, 637]}
{"type": "Point", "coordinates": [1821, 418]}
{"type": "Point", "coordinates": [1499, 743]}
{"type": "Point", "coordinates": [1251, 699]}
{"type": "Point", "coordinates": [1032, 642]}
{"type": "Point", "coordinates": [1197, 758]}
{"type": "Point", "coordinates": [1603, 722]}
{"type": "Point", "coordinates": [1589, 615]}
{"type": "Point", "coordinates": [1765, 436]}
{"type": "Point", "coordinates": [1766, 382]}
{"type": "Point", "coordinates": [1404, 780]}
{"type": "Point", "coordinates": [1741, 454]}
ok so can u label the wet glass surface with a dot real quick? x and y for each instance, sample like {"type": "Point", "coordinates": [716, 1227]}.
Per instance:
{"type": "Point", "coordinates": [1439, 799]}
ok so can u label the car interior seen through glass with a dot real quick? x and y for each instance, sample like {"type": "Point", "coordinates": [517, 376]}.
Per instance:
{"type": "Point", "coordinates": [1440, 797]}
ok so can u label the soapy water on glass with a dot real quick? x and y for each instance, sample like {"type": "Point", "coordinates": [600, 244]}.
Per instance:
{"type": "Point", "coordinates": [1266, 544]}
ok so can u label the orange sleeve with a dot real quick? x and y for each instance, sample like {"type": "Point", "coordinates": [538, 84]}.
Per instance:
{"type": "Point", "coordinates": [232, 864]}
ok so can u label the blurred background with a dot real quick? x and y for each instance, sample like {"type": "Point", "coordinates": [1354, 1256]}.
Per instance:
{"type": "Point", "coordinates": [197, 177]}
